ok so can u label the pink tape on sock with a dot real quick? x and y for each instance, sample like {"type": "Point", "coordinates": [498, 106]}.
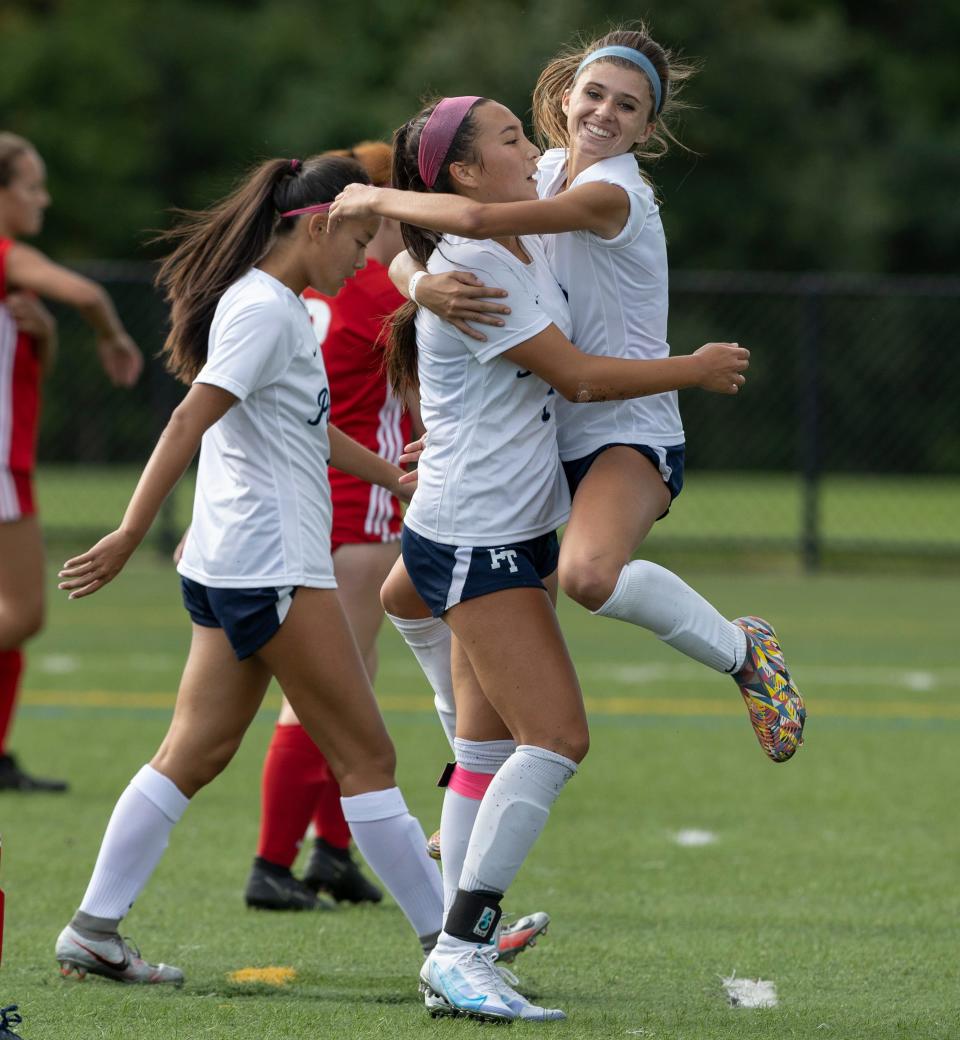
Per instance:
{"type": "Point", "coordinates": [470, 785]}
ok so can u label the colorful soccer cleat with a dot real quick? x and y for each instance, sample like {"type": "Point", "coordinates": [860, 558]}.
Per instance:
{"type": "Point", "coordinates": [773, 700]}
{"type": "Point", "coordinates": [465, 983]}
{"type": "Point", "coordinates": [433, 845]}
{"type": "Point", "coordinates": [516, 937]}
{"type": "Point", "coordinates": [112, 957]}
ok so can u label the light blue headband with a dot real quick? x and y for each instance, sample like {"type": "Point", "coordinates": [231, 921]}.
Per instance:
{"type": "Point", "coordinates": [638, 59]}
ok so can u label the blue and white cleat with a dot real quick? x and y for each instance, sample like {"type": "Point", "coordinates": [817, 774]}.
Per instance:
{"type": "Point", "coordinates": [464, 982]}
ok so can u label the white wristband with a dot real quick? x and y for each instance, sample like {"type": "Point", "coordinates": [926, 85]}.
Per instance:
{"type": "Point", "coordinates": [412, 285]}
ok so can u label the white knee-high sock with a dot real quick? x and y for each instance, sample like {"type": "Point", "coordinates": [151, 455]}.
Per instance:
{"type": "Point", "coordinates": [478, 759]}
{"type": "Point", "coordinates": [393, 844]}
{"type": "Point", "coordinates": [512, 815]}
{"type": "Point", "coordinates": [656, 599]}
{"type": "Point", "coordinates": [429, 639]}
{"type": "Point", "coordinates": [133, 843]}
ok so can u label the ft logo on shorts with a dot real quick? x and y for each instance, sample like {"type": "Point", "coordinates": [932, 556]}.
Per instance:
{"type": "Point", "coordinates": [501, 554]}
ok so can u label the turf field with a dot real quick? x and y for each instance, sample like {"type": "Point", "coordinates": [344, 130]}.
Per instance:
{"type": "Point", "coordinates": [834, 875]}
{"type": "Point", "coordinates": [745, 509]}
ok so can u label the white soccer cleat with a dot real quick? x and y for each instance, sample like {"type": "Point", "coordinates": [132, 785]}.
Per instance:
{"type": "Point", "coordinates": [467, 983]}
{"type": "Point", "coordinates": [520, 935]}
{"type": "Point", "coordinates": [112, 957]}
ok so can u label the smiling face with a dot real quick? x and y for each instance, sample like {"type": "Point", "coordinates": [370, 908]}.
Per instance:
{"type": "Point", "coordinates": [609, 110]}
{"type": "Point", "coordinates": [24, 199]}
{"type": "Point", "coordinates": [333, 258]}
{"type": "Point", "coordinates": [507, 161]}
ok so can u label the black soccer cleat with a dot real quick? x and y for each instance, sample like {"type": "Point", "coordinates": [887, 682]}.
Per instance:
{"type": "Point", "coordinates": [272, 887]}
{"type": "Point", "coordinates": [334, 871]}
{"type": "Point", "coordinates": [13, 778]}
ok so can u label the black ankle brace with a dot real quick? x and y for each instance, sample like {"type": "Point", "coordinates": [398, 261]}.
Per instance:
{"type": "Point", "coordinates": [474, 916]}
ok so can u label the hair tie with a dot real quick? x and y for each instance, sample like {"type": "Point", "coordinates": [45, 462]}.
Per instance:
{"type": "Point", "coordinates": [295, 165]}
{"type": "Point", "coordinates": [640, 60]}
{"type": "Point", "coordinates": [438, 133]}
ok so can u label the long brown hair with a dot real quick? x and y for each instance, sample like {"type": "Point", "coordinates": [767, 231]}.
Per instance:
{"type": "Point", "coordinates": [549, 121]}
{"type": "Point", "coordinates": [12, 146]}
{"type": "Point", "coordinates": [216, 246]}
{"type": "Point", "coordinates": [402, 341]}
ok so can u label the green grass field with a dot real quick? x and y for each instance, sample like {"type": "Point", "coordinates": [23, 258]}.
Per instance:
{"type": "Point", "coordinates": [730, 508]}
{"type": "Point", "coordinates": [834, 875]}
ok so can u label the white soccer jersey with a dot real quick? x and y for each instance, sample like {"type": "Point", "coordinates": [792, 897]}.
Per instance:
{"type": "Point", "coordinates": [617, 290]}
{"type": "Point", "coordinates": [490, 473]}
{"type": "Point", "coordinates": [262, 515]}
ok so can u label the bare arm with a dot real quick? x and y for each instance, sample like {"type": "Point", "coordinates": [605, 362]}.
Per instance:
{"type": "Point", "coordinates": [28, 268]}
{"type": "Point", "coordinates": [353, 458]}
{"type": "Point", "coordinates": [583, 378]}
{"type": "Point", "coordinates": [458, 297]}
{"type": "Point", "coordinates": [598, 207]}
{"type": "Point", "coordinates": [175, 449]}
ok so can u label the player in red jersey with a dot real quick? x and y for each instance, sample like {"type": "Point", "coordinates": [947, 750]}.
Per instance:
{"type": "Point", "coordinates": [297, 786]}
{"type": "Point", "coordinates": [27, 348]}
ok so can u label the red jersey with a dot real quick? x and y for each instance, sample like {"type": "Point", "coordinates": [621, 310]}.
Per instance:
{"type": "Point", "coordinates": [19, 402]}
{"type": "Point", "coordinates": [350, 330]}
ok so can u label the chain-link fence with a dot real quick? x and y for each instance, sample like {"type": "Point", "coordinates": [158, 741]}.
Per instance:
{"type": "Point", "coordinates": [845, 440]}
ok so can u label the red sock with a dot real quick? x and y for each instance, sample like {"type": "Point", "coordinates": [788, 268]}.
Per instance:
{"type": "Point", "coordinates": [293, 772]}
{"type": "Point", "coordinates": [328, 818]}
{"type": "Point", "coordinates": [11, 667]}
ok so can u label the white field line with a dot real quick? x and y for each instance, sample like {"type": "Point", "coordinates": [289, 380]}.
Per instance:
{"type": "Point", "coordinates": [692, 839]}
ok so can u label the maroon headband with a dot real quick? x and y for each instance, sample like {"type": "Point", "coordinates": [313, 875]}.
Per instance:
{"type": "Point", "coordinates": [438, 133]}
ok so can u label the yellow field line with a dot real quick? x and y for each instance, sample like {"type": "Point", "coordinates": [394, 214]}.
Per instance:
{"type": "Point", "coordinates": [660, 706]}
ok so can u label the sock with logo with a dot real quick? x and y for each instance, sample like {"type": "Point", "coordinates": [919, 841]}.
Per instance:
{"type": "Point", "coordinates": [656, 599]}
{"type": "Point", "coordinates": [133, 843]}
{"type": "Point", "coordinates": [477, 762]}
{"type": "Point", "coordinates": [429, 639]}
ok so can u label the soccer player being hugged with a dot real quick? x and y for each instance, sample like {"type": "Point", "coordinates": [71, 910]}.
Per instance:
{"type": "Point", "coordinates": [479, 538]}
{"type": "Point", "coordinates": [599, 108]}
{"type": "Point", "coordinates": [28, 342]}
{"type": "Point", "coordinates": [257, 574]}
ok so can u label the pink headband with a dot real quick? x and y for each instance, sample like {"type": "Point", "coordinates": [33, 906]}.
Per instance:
{"type": "Point", "coordinates": [438, 133]}
{"type": "Point", "coordinates": [320, 207]}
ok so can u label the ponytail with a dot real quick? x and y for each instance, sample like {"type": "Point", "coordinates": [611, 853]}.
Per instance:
{"type": "Point", "coordinates": [401, 353]}
{"type": "Point", "coordinates": [216, 246]}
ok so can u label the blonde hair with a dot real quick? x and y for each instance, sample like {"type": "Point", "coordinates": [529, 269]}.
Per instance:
{"type": "Point", "coordinates": [549, 121]}
{"type": "Point", "coordinates": [376, 157]}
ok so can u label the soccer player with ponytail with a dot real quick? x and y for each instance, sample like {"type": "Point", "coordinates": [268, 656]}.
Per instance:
{"type": "Point", "coordinates": [257, 574]}
{"type": "Point", "coordinates": [479, 539]}
{"type": "Point", "coordinates": [600, 107]}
